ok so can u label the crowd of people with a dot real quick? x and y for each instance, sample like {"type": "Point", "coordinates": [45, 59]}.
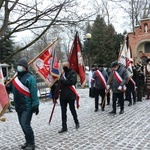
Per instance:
{"type": "Point", "coordinates": [108, 84]}
{"type": "Point", "coordinates": [115, 84]}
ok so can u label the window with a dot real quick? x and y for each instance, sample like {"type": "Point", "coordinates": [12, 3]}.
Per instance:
{"type": "Point", "coordinates": [147, 48]}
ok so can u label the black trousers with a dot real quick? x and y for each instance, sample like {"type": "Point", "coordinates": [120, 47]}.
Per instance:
{"type": "Point", "coordinates": [99, 92]}
{"type": "Point", "coordinates": [131, 90]}
{"type": "Point", "coordinates": [108, 97]}
{"type": "Point", "coordinates": [63, 104]}
{"type": "Point", "coordinates": [121, 100]}
{"type": "Point", "coordinates": [92, 92]}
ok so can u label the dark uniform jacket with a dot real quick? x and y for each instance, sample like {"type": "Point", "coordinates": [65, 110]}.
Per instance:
{"type": "Point", "coordinates": [112, 81]}
{"type": "Point", "coordinates": [69, 80]}
{"type": "Point", "coordinates": [97, 81]}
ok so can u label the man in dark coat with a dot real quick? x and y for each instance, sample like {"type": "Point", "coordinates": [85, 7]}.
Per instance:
{"type": "Point", "coordinates": [68, 95]}
{"type": "Point", "coordinates": [117, 80]}
{"type": "Point", "coordinates": [131, 86]}
{"type": "Point", "coordinates": [100, 78]}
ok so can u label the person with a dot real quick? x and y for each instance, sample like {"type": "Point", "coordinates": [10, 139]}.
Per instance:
{"type": "Point", "coordinates": [147, 75]}
{"type": "Point", "coordinates": [68, 95]}
{"type": "Point", "coordinates": [100, 78]}
{"type": "Point", "coordinates": [91, 89]}
{"type": "Point", "coordinates": [140, 82]}
{"type": "Point", "coordinates": [108, 70]}
{"type": "Point", "coordinates": [24, 89]}
{"type": "Point", "coordinates": [8, 89]}
{"type": "Point", "coordinates": [117, 80]}
{"type": "Point", "coordinates": [53, 89]}
{"type": "Point", "coordinates": [131, 86]}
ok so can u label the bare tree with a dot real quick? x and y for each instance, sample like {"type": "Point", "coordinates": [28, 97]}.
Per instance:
{"type": "Point", "coordinates": [38, 17]}
{"type": "Point", "coordinates": [135, 9]}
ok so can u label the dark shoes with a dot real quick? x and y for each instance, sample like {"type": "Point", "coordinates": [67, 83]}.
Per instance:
{"type": "Point", "coordinates": [77, 126]}
{"type": "Point", "coordinates": [129, 104]}
{"type": "Point", "coordinates": [103, 109]}
{"type": "Point", "coordinates": [24, 146]}
{"type": "Point", "coordinates": [95, 110]}
{"type": "Point", "coordinates": [112, 112]}
{"type": "Point", "coordinates": [63, 130]}
{"type": "Point", "coordinates": [121, 112]}
{"type": "Point", "coordinates": [28, 146]}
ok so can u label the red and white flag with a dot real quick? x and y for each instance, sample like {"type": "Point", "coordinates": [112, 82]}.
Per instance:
{"type": "Point", "coordinates": [125, 57]}
{"type": "Point", "coordinates": [46, 65]}
{"type": "Point", "coordinates": [4, 100]}
{"type": "Point", "coordinates": [76, 60]}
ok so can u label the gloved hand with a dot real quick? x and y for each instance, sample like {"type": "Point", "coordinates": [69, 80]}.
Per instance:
{"type": "Point", "coordinates": [120, 88]}
{"type": "Point", "coordinates": [35, 110]}
{"type": "Point", "coordinates": [108, 87]}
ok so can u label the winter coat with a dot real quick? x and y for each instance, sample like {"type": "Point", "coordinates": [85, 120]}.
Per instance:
{"type": "Point", "coordinates": [114, 84]}
{"type": "Point", "coordinates": [97, 81]}
{"type": "Point", "coordinates": [22, 102]}
{"type": "Point", "coordinates": [69, 80]}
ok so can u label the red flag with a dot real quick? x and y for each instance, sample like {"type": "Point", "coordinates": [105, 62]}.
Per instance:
{"type": "Point", "coordinates": [4, 100]}
{"type": "Point", "coordinates": [76, 60]}
{"type": "Point", "coordinates": [46, 65]}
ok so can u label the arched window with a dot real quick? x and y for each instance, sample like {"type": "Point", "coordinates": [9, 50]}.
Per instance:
{"type": "Point", "coordinates": [147, 48]}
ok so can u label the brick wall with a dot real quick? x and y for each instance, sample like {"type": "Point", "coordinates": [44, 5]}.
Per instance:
{"type": "Point", "coordinates": [138, 39]}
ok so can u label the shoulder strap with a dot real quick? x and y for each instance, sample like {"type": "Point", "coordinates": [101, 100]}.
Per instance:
{"type": "Point", "coordinates": [21, 87]}
{"type": "Point", "coordinates": [101, 77]}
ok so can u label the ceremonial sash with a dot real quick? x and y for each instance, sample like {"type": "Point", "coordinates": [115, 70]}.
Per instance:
{"type": "Point", "coordinates": [102, 79]}
{"type": "Point", "coordinates": [75, 92]}
{"type": "Point", "coordinates": [119, 79]}
{"type": "Point", "coordinates": [20, 87]}
{"type": "Point", "coordinates": [72, 87]}
{"type": "Point", "coordinates": [132, 81]}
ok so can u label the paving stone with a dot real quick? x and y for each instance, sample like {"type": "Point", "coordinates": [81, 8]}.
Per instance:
{"type": "Point", "coordinates": [98, 130]}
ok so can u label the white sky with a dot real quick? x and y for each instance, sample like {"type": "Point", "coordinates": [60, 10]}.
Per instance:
{"type": "Point", "coordinates": [118, 19]}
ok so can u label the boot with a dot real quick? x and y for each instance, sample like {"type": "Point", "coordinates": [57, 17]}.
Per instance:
{"type": "Point", "coordinates": [30, 147]}
{"type": "Point", "coordinates": [63, 130]}
{"type": "Point", "coordinates": [112, 112]}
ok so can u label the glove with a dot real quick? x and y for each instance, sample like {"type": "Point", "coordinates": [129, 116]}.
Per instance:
{"type": "Point", "coordinates": [108, 87]}
{"type": "Point", "coordinates": [35, 110]}
{"type": "Point", "coordinates": [120, 88]}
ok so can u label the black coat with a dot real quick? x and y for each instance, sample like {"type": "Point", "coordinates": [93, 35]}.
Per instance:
{"type": "Point", "coordinates": [69, 79]}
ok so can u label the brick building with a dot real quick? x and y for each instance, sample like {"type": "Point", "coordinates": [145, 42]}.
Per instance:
{"type": "Point", "coordinates": [139, 41]}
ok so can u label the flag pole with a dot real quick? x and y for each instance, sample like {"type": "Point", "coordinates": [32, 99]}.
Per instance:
{"type": "Point", "coordinates": [34, 59]}
{"type": "Point", "coordinates": [56, 94]}
{"type": "Point", "coordinates": [104, 99]}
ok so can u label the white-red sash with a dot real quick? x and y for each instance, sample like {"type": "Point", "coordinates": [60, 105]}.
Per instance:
{"type": "Point", "coordinates": [75, 92]}
{"type": "Point", "coordinates": [119, 79]}
{"type": "Point", "coordinates": [102, 79]}
{"type": "Point", "coordinates": [132, 81]}
{"type": "Point", "coordinates": [20, 87]}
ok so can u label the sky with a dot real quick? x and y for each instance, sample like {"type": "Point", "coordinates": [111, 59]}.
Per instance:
{"type": "Point", "coordinates": [118, 19]}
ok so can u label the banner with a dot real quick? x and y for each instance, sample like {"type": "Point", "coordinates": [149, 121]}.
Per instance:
{"type": "Point", "coordinates": [46, 65]}
{"type": "Point", "coordinates": [4, 100]}
{"type": "Point", "coordinates": [76, 60]}
{"type": "Point", "coordinates": [125, 57]}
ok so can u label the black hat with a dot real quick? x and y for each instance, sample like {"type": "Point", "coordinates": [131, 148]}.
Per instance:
{"type": "Point", "coordinates": [100, 65]}
{"type": "Point", "coordinates": [23, 62]}
{"type": "Point", "coordinates": [93, 66]}
{"type": "Point", "coordinates": [114, 64]}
